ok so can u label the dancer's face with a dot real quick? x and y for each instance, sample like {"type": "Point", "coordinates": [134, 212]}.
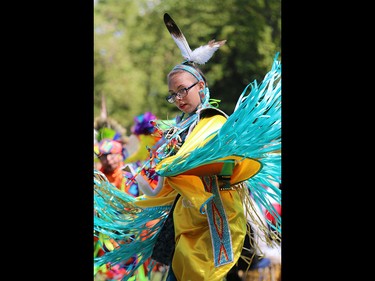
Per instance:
{"type": "Point", "coordinates": [186, 100]}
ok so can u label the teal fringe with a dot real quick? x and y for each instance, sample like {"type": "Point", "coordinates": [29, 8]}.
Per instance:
{"type": "Point", "coordinates": [118, 218]}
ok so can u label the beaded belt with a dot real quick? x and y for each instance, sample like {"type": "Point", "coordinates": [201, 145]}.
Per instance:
{"type": "Point", "coordinates": [218, 222]}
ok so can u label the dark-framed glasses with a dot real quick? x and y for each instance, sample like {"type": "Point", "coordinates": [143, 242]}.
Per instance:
{"type": "Point", "coordinates": [180, 93]}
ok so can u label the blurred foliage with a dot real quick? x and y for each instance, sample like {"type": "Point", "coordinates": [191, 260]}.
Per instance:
{"type": "Point", "coordinates": [133, 50]}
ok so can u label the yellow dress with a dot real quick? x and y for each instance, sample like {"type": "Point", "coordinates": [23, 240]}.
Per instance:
{"type": "Point", "coordinates": [193, 257]}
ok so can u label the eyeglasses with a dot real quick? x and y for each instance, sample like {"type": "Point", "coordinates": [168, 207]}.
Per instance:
{"type": "Point", "coordinates": [180, 93]}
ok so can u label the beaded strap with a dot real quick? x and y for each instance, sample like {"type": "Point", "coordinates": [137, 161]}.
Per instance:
{"type": "Point", "coordinates": [218, 223]}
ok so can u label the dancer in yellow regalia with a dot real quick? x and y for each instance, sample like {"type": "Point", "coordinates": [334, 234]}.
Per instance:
{"type": "Point", "coordinates": [205, 167]}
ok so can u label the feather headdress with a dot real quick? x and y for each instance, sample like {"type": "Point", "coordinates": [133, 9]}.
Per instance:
{"type": "Point", "coordinates": [199, 55]}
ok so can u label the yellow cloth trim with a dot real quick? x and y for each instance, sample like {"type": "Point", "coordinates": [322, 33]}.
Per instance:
{"type": "Point", "coordinates": [244, 169]}
{"type": "Point", "coordinates": [191, 189]}
{"type": "Point", "coordinates": [202, 130]}
{"type": "Point", "coordinates": [165, 197]}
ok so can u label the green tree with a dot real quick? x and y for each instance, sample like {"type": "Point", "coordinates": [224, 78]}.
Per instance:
{"type": "Point", "coordinates": [134, 51]}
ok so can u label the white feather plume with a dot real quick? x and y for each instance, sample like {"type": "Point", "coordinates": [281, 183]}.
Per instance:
{"type": "Point", "coordinates": [183, 45]}
{"type": "Point", "coordinates": [199, 55]}
{"type": "Point", "coordinates": [203, 53]}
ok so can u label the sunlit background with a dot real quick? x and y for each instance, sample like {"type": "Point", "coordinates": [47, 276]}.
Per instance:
{"type": "Point", "coordinates": [133, 50]}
